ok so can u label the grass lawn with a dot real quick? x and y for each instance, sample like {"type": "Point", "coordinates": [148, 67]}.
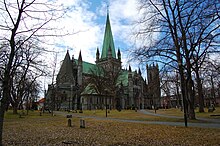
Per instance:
{"type": "Point", "coordinates": [52, 130]}
{"type": "Point", "coordinates": [126, 114]}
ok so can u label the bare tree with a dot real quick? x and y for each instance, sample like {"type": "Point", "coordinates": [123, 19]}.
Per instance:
{"type": "Point", "coordinates": [97, 80]}
{"type": "Point", "coordinates": [26, 66]}
{"type": "Point", "coordinates": [211, 82]}
{"type": "Point", "coordinates": [104, 81]}
{"type": "Point", "coordinates": [22, 19]}
{"type": "Point", "coordinates": [170, 85]}
{"type": "Point", "coordinates": [32, 89]}
{"type": "Point", "coordinates": [180, 29]}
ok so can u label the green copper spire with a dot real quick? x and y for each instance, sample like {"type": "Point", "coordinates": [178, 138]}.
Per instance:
{"type": "Point", "coordinates": [108, 40]}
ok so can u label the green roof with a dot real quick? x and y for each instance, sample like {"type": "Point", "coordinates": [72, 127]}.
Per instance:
{"type": "Point", "coordinates": [108, 41]}
{"type": "Point", "coordinates": [87, 67]}
{"type": "Point", "coordinates": [123, 77]}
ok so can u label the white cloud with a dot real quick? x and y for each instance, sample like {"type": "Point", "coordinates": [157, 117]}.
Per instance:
{"type": "Point", "coordinates": [82, 21]}
{"type": "Point", "coordinates": [87, 38]}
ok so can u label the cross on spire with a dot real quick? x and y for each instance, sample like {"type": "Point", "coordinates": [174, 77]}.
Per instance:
{"type": "Point", "coordinates": [107, 8]}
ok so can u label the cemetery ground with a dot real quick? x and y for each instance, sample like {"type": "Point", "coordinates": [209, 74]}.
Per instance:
{"type": "Point", "coordinates": [33, 129]}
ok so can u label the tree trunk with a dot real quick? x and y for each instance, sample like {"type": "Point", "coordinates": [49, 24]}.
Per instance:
{"type": "Point", "coordinates": [177, 93]}
{"type": "Point", "coordinates": [184, 45]}
{"type": "Point", "coordinates": [6, 85]}
{"type": "Point", "coordinates": [15, 109]}
{"type": "Point", "coordinates": [182, 81]}
{"type": "Point", "coordinates": [2, 113]}
{"type": "Point", "coordinates": [200, 92]}
{"type": "Point", "coordinates": [189, 83]}
{"type": "Point", "coordinates": [4, 102]}
{"type": "Point", "coordinates": [212, 92]}
{"type": "Point", "coordinates": [191, 99]}
{"type": "Point", "coordinates": [183, 92]}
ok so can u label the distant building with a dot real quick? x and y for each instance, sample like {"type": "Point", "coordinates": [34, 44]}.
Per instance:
{"type": "Point", "coordinates": [41, 104]}
{"type": "Point", "coordinates": [74, 91]}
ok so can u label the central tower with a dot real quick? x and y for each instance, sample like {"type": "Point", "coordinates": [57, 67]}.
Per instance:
{"type": "Point", "coordinates": [108, 58]}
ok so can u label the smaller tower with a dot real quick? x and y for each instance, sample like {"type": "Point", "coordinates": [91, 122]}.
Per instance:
{"type": "Point", "coordinates": [80, 69]}
{"type": "Point", "coordinates": [154, 84]}
{"type": "Point", "coordinates": [130, 87]}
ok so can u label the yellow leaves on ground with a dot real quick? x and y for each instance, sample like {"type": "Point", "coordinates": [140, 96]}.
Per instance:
{"type": "Point", "coordinates": [53, 130]}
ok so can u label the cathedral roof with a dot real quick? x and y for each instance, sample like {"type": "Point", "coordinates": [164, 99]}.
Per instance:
{"type": "Point", "coordinates": [87, 66]}
{"type": "Point", "coordinates": [108, 41]}
{"type": "Point", "coordinates": [123, 77]}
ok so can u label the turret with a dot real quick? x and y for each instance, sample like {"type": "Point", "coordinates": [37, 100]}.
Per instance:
{"type": "Point", "coordinates": [129, 68]}
{"type": "Point", "coordinates": [139, 71]}
{"type": "Point", "coordinates": [73, 61]}
{"type": "Point", "coordinates": [80, 69]}
{"type": "Point", "coordinates": [97, 55]}
{"type": "Point", "coordinates": [157, 66]}
{"type": "Point", "coordinates": [80, 58]}
{"type": "Point", "coordinates": [119, 54]}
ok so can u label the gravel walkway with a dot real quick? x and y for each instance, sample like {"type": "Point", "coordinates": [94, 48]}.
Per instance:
{"type": "Point", "coordinates": [146, 112]}
{"type": "Point", "coordinates": [212, 122]}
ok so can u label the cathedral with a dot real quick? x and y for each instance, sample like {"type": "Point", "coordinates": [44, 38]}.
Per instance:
{"type": "Point", "coordinates": [104, 84]}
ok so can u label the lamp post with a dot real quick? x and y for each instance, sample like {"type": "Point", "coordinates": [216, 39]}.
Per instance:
{"type": "Point", "coordinates": [52, 99]}
{"type": "Point", "coordinates": [71, 86]}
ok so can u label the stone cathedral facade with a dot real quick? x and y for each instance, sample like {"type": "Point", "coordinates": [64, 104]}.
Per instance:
{"type": "Point", "coordinates": [73, 90]}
